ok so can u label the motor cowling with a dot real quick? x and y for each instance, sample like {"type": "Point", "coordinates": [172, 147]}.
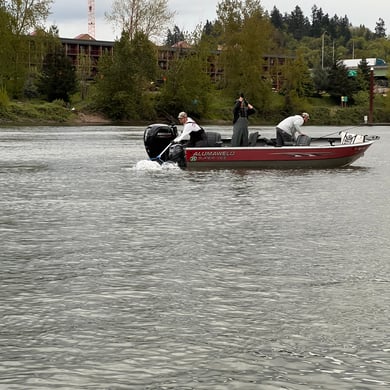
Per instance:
{"type": "Point", "coordinates": [157, 137]}
{"type": "Point", "coordinates": [176, 154]}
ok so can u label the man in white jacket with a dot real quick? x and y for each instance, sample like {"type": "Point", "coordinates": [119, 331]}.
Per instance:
{"type": "Point", "coordinates": [197, 135]}
{"type": "Point", "coordinates": [289, 129]}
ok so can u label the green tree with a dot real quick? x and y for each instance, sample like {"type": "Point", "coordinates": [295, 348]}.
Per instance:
{"type": "Point", "coordinates": [84, 74]}
{"type": "Point", "coordinates": [319, 21]}
{"type": "Point", "coordinates": [340, 84]}
{"type": "Point", "coordinates": [246, 39]}
{"type": "Point", "coordinates": [188, 86]}
{"type": "Point", "coordinates": [363, 75]}
{"type": "Point", "coordinates": [380, 30]}
{"type": "Point", "coordinates": [124, 78]}
{"type": "Point", "coordinates": [339, 28]}
{"type": "Point", "coordinates": [297, 85]}
{"type": "Point", "coordinates": [26, 15]}
{"type": "Point", "coordinates": [174, 37]}
{"type": "Point", "coordinates": [58, 76]}
{"type": "Point", "coordinates": [276, 19]}
{"type": "Point", "coordinates": [320, 79]}
{"type": "Point", "coordinates": [17, 19]}
{"type": "Point", "coordinates": [298, 25]}
{"type": "Point", "coordinates": [6, 43]}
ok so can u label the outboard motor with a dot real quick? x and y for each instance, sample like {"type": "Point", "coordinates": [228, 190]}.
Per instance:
{"type": "Point", "coordinates": [176, 154]}
{"type": "Point", "coordinates": [156, 138]}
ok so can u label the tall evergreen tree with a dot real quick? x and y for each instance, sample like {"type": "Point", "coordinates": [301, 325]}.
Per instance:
{"type": "Point", "coordinates": [277, 19]}
{"type": "Point", "coordinates": [298, 25]}
{"type": "Point", "coordinates": [318, 22]}
{"type": "Point", "coordinates": [320, 79]}
{"type": "Point", "coordinates": [380, 30]}
{"type": "Point", "coordinates": [174, 37]}
{"type": "Point", "coordinates": [340, 84]}
{"type": "Point", "coordinates": [363, 75]}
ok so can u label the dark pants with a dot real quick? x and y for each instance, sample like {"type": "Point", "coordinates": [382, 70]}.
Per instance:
{"type": "Point", "coordinates": [282, 137]}
{"type": "Point", "coordinates": [240, 132]}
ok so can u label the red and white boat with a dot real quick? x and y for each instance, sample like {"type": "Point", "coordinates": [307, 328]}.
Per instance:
{"type": "Point", "coordinates": [321, 153]}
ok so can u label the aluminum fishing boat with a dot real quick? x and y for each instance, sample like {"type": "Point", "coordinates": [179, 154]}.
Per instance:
{"type": "Point", "coordinates": [313, 153]}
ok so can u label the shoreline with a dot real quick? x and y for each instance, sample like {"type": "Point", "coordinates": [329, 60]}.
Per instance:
{"type": "Point", "coordinates": [78, 118]}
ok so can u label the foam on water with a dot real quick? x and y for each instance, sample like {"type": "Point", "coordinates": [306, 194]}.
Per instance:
{"type": "Point", "coordinates": [148, 165]}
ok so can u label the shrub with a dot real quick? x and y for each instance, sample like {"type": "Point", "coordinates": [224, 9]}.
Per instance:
{"type": "Point", "coordinates": [4, 99]}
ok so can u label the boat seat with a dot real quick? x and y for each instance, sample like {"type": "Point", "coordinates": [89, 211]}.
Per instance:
{"type": "Point", "coordinates": [303, 140]}
{"type": "Point", "coordinates": [213, 138]}
{"type": "Point", "coordinates": [253, 138]}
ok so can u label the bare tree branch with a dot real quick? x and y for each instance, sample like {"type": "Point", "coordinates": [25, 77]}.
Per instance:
{"type": "Point", "coordinates": [147, 16]}
{"type": "Point", "coordinates": [26, 15]}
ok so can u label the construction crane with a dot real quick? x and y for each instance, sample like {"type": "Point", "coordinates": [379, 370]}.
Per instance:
{"type": "Point", "coordinates": [91, 18]}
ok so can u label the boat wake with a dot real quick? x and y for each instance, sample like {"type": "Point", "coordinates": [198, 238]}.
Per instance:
{"type": "Point", "coordinates": [148, 165]}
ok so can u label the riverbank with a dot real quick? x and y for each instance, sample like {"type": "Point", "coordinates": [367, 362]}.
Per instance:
{"type": "Point", "coordinates": [20, 113]}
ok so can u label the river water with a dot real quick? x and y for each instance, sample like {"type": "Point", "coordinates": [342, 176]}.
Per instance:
{"type": "Point", "coordinates": [118, 276]}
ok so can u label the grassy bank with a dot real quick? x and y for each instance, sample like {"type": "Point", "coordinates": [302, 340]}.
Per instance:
{"type": "Point", "coordinates": [16, 112]}
{"type": "Point", "coordinates": [322, 111]}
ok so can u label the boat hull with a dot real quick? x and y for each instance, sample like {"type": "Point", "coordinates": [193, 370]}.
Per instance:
{"type": "Point", "coordinates": [287, 157]}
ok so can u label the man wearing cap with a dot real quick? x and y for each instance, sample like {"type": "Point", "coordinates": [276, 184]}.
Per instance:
{"type": "Point", "coordinates": [289, 129]}
{"type": "Point", "coordinates": [197, 135]}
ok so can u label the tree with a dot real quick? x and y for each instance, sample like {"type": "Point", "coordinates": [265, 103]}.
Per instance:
{"type": "Point", "coordinates": [277, 19]}
{"type": "Point", "coordinates": [246, 39]}
{"type": "Point", "coordinates": [187, 86]}
{"type": "Point", "coordinates": [340, 28]}
{"type": "Point", "coordinates": [320, 79]}
{"type": "Point", "coordinates": [363, 75]}
{"type": "Point", "coordinates": [174, 37]}
{"type": "Point", "coordinates": [297, 85]}
{"type": "Point", "coordinates": [17, 19]}
{"type": "Point", "coordinates": [380, 30]}
{"type": "Point", "coordinates": [297, 24]}
{"type": "Point", "coordinates": [123, 79]}
{"type": "Point", "coordinates": [58, 76]}
{"type": "Point", "coordinates": [209, 29]}
{"type": "Point", "coordinates": [6, 44]}
{"type": "Point", "coordinates": [145, 16]}
{"type": "Point", "coordinates": [340, 84]}
{"type": "Point", "coordinates": [26, 15]}
{"type": "Point", "coordinates": [318, 21]}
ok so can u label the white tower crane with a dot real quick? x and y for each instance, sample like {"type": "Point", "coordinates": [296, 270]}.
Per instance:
{"type": "Point", "coordinates": [91, 18]}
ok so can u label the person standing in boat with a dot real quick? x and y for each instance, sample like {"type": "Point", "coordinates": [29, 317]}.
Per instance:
{"type": "Point", "coordinates": [241, 111]}
{"type": "Point", "coordinates": [197, 135]}
{"type": "Point", "coordinates": [289, 129]}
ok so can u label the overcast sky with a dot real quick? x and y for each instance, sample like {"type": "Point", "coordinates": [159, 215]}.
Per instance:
{"type": "Point", "coordinates": [71, 16]}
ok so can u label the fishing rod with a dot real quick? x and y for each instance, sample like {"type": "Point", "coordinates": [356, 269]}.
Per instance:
{"type": "Point", "coordinates": [159, 156]}
{"type": "Point", "coordinates": [338, 132]}
{"type": "Point", "coordinates": [170, 118]}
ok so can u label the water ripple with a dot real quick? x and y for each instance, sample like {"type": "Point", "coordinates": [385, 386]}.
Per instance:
{"type": "Point", "coordinates": [116, 276]}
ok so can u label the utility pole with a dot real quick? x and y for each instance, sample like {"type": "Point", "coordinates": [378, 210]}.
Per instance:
{"type": "Point", "coordinates": [91, 18]}
{"type": "Point", "coordinates": [371, 105]}
{"type": "Point", "coordinates": [322, 49]}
